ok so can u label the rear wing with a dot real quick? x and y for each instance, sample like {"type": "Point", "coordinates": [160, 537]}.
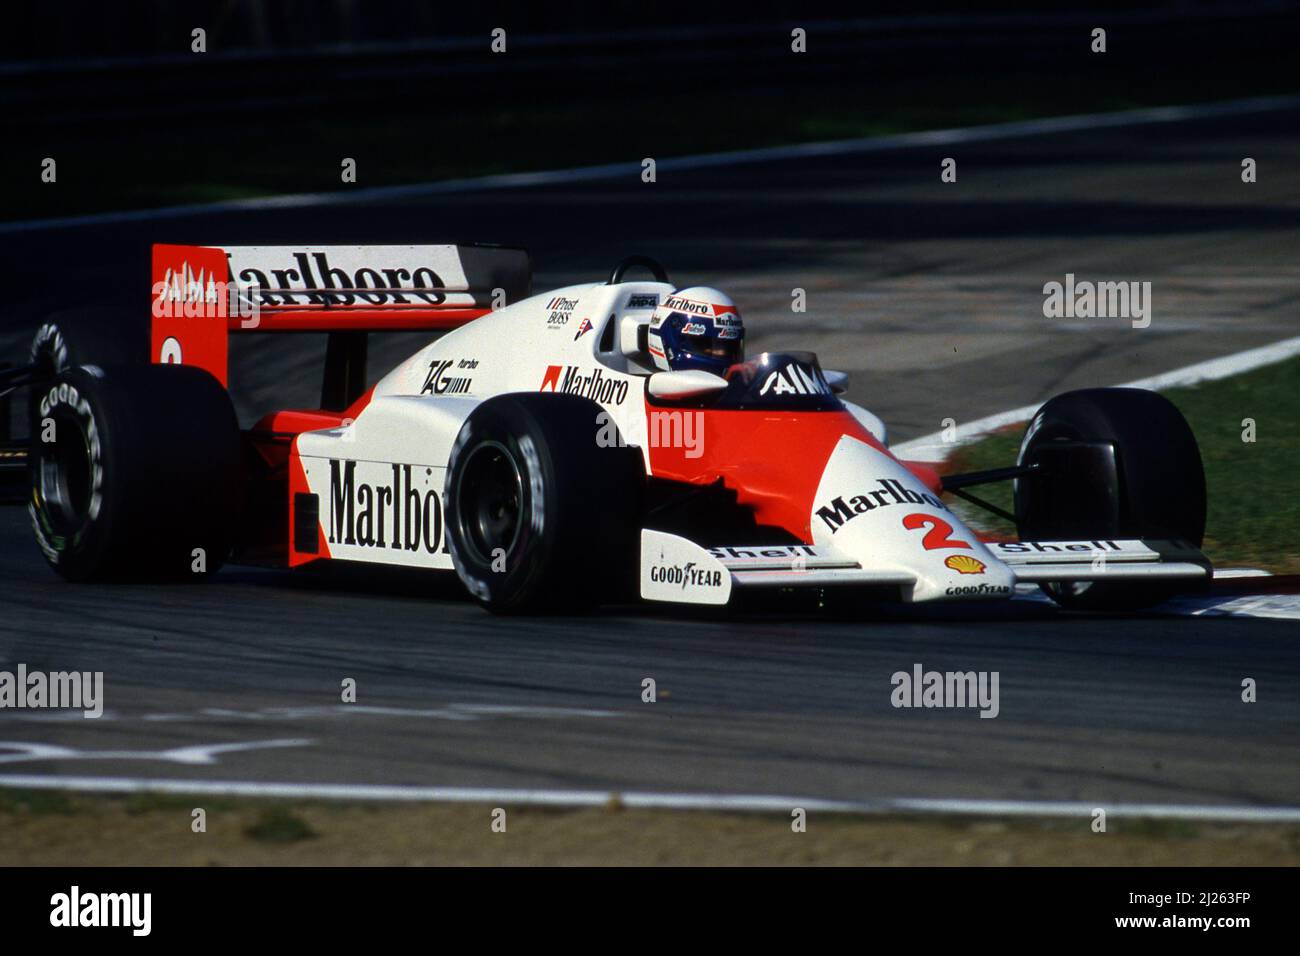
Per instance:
{"type": "Point", "coordinates": [201, 294]}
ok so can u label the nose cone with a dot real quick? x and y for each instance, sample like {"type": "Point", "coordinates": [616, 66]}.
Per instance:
{"type": "Point", "coordinates": [872, 508]}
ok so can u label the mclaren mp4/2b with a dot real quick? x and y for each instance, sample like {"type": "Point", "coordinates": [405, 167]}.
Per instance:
{"type": "Point", "coordinates": [536, 449]}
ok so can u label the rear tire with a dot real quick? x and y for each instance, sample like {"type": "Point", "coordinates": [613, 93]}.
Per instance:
{"type": "Point", "coordinates": [541, 514]}
{"type": "Point", "coordinates": [90, 336]}
{"type": "Point", "coordinates": [1159, 492]}
{"type": "Point", "coordinates": [141, 467]}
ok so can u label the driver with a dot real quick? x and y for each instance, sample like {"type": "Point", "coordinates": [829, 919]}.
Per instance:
{"type": "Point", "coordinates": [697, 328]}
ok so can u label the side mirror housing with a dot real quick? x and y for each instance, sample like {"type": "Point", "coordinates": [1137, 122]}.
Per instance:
{"type": "Point", "coordinates": [688, 383]}
{"type": "Point", "coordinates": [838, 381]}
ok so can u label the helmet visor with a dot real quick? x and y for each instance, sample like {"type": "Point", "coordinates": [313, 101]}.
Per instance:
{"type": "Point", "coordinates": [729, 351]}
{"type": "Point", "coordinates": [714, 341]}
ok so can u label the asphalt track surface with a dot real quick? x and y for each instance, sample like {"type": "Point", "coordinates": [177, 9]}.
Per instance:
{"type": "Point", "coordinates": [930, 295]}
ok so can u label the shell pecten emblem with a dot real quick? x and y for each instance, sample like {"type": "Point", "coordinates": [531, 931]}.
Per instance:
{"type": "Point", "coordinates": [964, 564]}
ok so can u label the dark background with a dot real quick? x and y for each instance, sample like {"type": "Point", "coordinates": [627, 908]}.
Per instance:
{"type": "Point", "coordinates": [134, 28]}
{"type": "Point", "coordinates": [414, 93]}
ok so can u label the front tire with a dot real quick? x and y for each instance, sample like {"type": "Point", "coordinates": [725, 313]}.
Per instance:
{"type": "Point", "coordinates": [1156, 491]}
{"type": "Point", "coordinates": [543, 509]}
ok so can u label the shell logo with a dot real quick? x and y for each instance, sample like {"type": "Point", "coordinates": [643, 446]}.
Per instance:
{"type": "Point", "coordinates": [964, 564]}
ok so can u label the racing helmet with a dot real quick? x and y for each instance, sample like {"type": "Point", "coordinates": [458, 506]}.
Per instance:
{"type": "Point", "coordinates": [697, 328]}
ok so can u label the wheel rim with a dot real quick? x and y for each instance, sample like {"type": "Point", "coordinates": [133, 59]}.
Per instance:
{"type": "Point", "coordinates": [66, 480]}
{"type": "Point", "coordinates": [490, 501]}
{"type": "Point", "coordinates": [1063, 592]}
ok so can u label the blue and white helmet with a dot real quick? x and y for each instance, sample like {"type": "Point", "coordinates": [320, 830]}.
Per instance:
{"type": "Point", "coordinates": [697, 328]}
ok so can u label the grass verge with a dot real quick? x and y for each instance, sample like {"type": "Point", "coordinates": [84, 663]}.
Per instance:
{"type": "Point", "coordinates": [97, 830]}
{"type": "Point", "coordinates": [1254, 510]}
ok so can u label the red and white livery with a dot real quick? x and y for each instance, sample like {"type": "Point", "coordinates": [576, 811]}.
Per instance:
{"type": "Point", "coordinates": [538, 449]}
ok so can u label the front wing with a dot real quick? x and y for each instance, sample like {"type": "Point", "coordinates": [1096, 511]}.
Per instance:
{"type": "Point", "coordinates": [675, 569]}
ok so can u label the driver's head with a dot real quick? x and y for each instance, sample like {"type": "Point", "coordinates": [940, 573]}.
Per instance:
{"type": "Point", "coordinates": [699, 328]}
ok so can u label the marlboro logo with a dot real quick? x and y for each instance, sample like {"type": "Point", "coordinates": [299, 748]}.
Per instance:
{"type": "Point", "coordinates": [595, 384]}
{"type": "Point", "coordinates": [396, 512]}
{"type": "Point", "coordinates": [887, 493]}
{"type": "Point", "coordinates": [287, 279]}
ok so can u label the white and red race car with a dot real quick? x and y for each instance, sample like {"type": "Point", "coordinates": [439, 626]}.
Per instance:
{"type": "Point", "coordinates": [535, 450]}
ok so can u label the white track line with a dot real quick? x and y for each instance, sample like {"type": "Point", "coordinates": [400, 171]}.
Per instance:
{"type": "Point", "coordinates": [872, 144]}
{"type": "Point", "coordinates": [643, 800]}
{"type": "Point", "coordinates": [932, 448]}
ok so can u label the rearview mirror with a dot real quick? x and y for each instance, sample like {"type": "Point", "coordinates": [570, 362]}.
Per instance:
{"type": "Point", "coordinates": [688, 383]}
{"type": "Point", "coordinates": [838, 381]}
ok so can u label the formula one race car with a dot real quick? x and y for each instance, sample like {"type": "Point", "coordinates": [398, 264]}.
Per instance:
{"type": "Point", "coordinates": [544, 452]}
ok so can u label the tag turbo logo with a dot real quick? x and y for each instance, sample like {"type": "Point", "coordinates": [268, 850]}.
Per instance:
{"type": "Point", "coordinates": [438, 382]}
{"type": "Point", "coordinates": [596, 386]}
{"type": "Point", "coordinates": [891, 492]}
{"type": "Point", "coordinates": [365, 515]}
{"type": "Point", "coordinates": [795, 379]}
{"type": "Point", "coordinates": [686, 576]}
